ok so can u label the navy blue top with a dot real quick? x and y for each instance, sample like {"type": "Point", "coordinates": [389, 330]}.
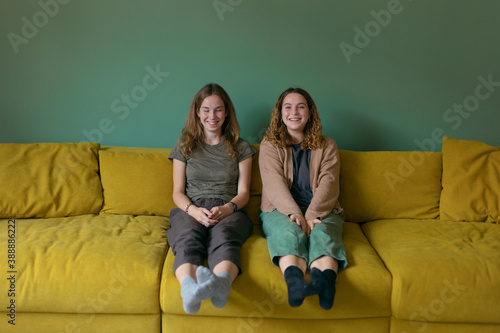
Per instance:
{"type": "Point", "coordinates": [301, 186]}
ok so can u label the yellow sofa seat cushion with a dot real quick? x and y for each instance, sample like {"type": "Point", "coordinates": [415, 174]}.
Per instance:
{"type": "Point", "coordinates": [443, 271]}
{"type": "Point", "coordinates": [363, 288]}
{"type": "Point", "coordinates": [49, 180]}
{"type": "Point", "coordinates": [136, 181]}
{"type": "Point", "coordinates": [87, 264]}
{"type": "Point", "coordinates": [81, 322]}
{"type": "Point", "coordinates": [375, 185]}
{"type": "Point", "coordinates": [471, 181]}
{"type": "Point", "coordinates": [406, 326]}
{"type": "Point", "coordinates": [260, 320]}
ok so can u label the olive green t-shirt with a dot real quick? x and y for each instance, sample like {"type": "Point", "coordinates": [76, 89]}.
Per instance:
{"type": "Point", "coordinates": [210, 172]}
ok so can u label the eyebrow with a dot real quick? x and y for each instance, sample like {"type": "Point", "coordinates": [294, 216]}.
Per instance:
{"type": "Point", "coordinates": [217, 107]}
{"type": "Point", "coordinates": [301, 103]}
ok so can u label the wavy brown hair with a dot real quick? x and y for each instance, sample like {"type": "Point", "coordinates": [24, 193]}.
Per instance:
{"type": "Point", "coordinates": [277, 132]}
{"type": "Point", "coordinates": [192, 134]}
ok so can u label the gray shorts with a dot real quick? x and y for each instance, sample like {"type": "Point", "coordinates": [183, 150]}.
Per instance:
{"type": "Point", "coordinates": [191, 242]}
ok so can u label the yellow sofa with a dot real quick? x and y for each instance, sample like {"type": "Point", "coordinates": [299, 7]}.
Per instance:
{"type": "Point", "coordinates": [83, 245]}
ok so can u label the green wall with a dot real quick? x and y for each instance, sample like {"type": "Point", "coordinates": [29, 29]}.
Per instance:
{"type": "Point", "coordinates": [386, 75]}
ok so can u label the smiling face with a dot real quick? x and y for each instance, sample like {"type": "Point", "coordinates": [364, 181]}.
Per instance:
{"type": "Point", "coordinates": [212, 114]}
{"type": "Point", "coordinates": [295, 114]}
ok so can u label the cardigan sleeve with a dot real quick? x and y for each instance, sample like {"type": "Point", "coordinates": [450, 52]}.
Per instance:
{"type": "Point", "coordinates": [326, 188]}
{"type": "Point", "coordinates": [275, 186]}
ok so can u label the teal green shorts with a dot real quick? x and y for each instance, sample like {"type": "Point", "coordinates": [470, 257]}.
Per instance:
{"type": "Point", "coordinates": [286, 238]}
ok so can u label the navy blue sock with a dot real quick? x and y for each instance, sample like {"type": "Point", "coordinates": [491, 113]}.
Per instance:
{"type": "Point", "coordinates": [298, 288]}
{"type": "Point", "coordinates": [325, 280]}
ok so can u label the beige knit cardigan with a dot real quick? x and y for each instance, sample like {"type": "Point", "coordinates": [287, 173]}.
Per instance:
{"type": "Point", "coordinates": [276, 169]}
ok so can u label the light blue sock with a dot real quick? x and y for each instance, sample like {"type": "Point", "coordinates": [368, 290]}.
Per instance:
{"type": "Point", "coordinates": [204, 275]}
{"type": "Point", "coordinates": [193, 293]}
{"type": "Point", "coordinates": [221, 294]}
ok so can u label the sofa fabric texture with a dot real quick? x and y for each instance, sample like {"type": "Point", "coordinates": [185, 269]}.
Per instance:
{"type": "Point", "coordinates": [442, 271]}
{"type": "Point", "coordinates": [49, 180]}
{"type": "Point", "coordinates": [471, 178]}
{"type": "Point", "coordinates": [90, 252]}
{"type": "Point", "coordinates": [389, 185]}
{"type": "Point", "coordinates": [136, 183]}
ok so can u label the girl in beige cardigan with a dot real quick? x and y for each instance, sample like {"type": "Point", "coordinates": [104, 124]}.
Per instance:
{"type": "Point", "coordinates": [300, 211]}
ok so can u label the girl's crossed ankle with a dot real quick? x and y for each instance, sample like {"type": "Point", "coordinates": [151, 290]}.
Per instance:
{"type": "Point", "coordinates": [298, 288]}
{"type": "Point", "coordinates": [325, 282]}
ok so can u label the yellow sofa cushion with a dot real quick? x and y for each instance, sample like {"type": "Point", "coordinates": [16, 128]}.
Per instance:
{"type": "Point", "coordinates": [253, 206]}
{"type": "Point", "coordinates": [406, 326]}
{"type": "Point", "coordinates": [87, 264]}
{"type": "Point", "coordinates": [471, 181]}
{"type": "Point", "coordinates": [81, 322]}
{"type": "Point", "coordinates": [443, 271]}
{"type": "Point", "coordinates": [363, 288]}
{"type": "Point", "coordinates": [259, 319]}
{"type": "Point", "coordinates": [256, 181]}
{"type": "Point", "coordinates": [49, 180]}
{"type": "Point", "coordinates": [375, 185]}
{"type": "Point", "coordinates": [136, 181]}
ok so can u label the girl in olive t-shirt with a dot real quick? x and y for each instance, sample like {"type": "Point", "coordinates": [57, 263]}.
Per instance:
{"type": "Point", "coordinates": [211, 174]}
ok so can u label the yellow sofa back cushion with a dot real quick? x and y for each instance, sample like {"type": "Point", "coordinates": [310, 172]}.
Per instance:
{"type": "Point", "coordinates": [471, 181]}
{"type": "Point", "coordinates": [253, 206]}
{"type": "Point", "coordinates": [136, 181]}
{"type": "Point", "coordinates": [49, 180]}
{"type": "Point", "coordinates": [256, 181]}
{"type": "Point", "coordinates": [385, 185]}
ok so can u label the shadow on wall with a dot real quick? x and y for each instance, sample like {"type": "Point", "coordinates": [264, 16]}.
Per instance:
{"type": "Point", "coordinates": [259, 120]}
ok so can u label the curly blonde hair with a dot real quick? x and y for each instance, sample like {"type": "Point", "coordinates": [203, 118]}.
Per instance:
{"type": "Point", "coordinates": [192, 134]}
{"type": "Point", "coordinates": [277, 133]}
